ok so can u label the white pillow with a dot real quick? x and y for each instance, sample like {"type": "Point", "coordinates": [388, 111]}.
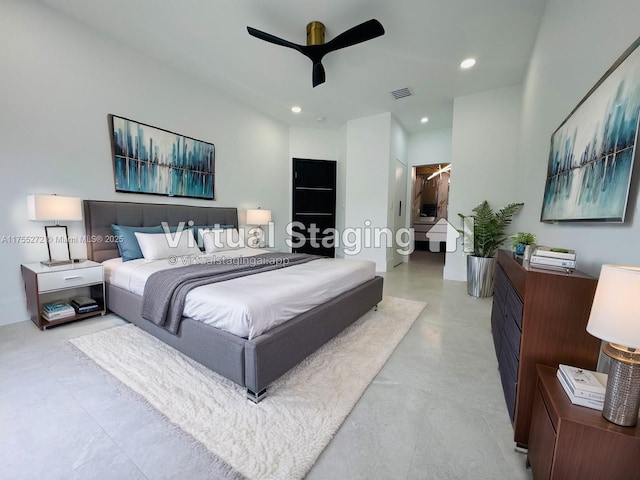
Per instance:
{"type": "Point", "coordinates": [156, 246]}
{"type": "Point", "coordinates": [220, 239]}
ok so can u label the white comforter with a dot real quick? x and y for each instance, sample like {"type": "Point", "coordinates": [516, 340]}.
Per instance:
{"type": "Point", "coordinates": [251, 305]}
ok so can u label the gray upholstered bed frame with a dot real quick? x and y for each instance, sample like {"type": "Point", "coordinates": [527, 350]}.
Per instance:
{"type": "Point", "coordinates": [253, 364]}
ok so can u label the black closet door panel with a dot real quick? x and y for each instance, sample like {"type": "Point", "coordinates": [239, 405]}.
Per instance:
{"type": "Point", "coordinates": [314, 205]}
{"type": "Point", "coordinates": [314, 201]}
{"type": "Point", "coordinates": [322, 223]}
{"type": "Point", "coordinates": [315, 174]}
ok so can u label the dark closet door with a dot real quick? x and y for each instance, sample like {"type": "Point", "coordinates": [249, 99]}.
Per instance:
{"type": "Point", "coordinates": [314, 205]}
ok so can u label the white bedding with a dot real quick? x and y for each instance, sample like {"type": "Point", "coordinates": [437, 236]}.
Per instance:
{"type": "Point", "coordinates": [251, 305]}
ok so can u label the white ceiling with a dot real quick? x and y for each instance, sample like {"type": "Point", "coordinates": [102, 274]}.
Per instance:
{"type": "Point", "coordinates": [422, 48]}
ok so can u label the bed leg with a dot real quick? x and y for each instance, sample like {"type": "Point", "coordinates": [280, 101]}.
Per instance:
{"type": "Point", "coordinates": [256, 397]}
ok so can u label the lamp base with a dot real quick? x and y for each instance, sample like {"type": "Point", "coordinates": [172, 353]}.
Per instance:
{"type": "Point", "coordinates": [256, 239]}
{"type": "Point", "coordinates": [622, 400]}
{"type": "Point", "coordinates": [55, 263]}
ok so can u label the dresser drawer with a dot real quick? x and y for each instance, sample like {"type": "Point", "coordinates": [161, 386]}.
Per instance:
{"type": "Point", "coordinates": [69, 278]}
{"type": "Point", "coordinates": [511, 336]}
{"type": "Point", "coordinates": [514, 307]}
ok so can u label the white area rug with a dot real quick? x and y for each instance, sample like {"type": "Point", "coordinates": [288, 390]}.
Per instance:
{"type": "Point", "coordinates": [282, 436]}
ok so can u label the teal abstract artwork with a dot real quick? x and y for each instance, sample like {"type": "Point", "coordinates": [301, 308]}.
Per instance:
{"type": "Point", "coordinates": [147, 159]}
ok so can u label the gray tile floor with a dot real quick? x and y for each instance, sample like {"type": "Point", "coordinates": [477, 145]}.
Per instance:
{"type": "Point", "coordinates": [435, 411]}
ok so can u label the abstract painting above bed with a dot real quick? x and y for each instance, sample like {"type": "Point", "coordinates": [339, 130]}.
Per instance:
{"type": "Point", "coordinates": [147, 159]}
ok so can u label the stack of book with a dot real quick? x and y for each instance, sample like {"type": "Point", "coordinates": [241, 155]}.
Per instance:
{"type": "Point", "coordinates": [549, 257]}
{"type": "Point", "coordinates": [57, 310]}
{"type": "Point", "coordinates": [84, 304]}
{"type": "Point", "coordinates": [583, 387]}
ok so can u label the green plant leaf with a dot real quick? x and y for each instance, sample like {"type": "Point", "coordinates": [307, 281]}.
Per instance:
{"type": "Point", "coordinates": [489, 227]}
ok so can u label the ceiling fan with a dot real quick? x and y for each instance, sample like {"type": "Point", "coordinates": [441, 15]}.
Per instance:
{"type": "Point", "coordinates": [315, 48]}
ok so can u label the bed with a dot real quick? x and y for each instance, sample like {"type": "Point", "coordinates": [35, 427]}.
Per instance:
{"type": "Point", "coordinates": [250, 362]}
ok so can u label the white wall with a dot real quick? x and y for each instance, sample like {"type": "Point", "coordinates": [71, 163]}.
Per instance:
{"type": "Point", "coordinates": [573, 50]}
{"type": "Point", "coordinates": [399, 143]}
{"type": "Point", "coordinates": [430, 147]}
{"type": "Point", "coordinates": [368, 149]}
{"type": "Point", "coordinates": [485, 137]}
{"type": "Point", "coordinates": [59, 81]}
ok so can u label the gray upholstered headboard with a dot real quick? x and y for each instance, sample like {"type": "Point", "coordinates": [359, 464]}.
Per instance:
{"type": "Point", "coordinates": [99, 215]}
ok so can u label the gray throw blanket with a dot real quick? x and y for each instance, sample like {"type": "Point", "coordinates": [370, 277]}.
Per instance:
{"type": "Point", "coordinates": [165, 291]}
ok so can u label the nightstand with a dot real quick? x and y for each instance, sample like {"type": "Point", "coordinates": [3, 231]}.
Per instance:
{"type": "Point", "coordinates": [48, 284]}
{"type": "Point", "coordinates": [569, 442]}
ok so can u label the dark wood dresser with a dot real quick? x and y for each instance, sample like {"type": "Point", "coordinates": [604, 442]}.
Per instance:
{"type": "Point", "coordinates": [569, 442]}
{"type": "Point", "coordinates": [539, 316]}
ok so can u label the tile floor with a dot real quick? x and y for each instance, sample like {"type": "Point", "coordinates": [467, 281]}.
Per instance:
{"type": "Point", "coordinates": [435, 411]}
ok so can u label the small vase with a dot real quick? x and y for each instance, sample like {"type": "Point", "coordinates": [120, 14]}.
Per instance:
{"type": "Point", "coordinates": [520, 248]}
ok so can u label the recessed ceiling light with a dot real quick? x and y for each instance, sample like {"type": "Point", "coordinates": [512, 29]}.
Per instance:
{"type": "Point", "coordinates": [468, 63]}
{"type": "Point", "coordinates": [296, 109]}
{"type": "Point", "coordinates": [424, 119]}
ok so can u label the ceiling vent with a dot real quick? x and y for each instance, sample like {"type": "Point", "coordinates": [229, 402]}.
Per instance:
{"type": "Point", "coordinates": [401, 93]}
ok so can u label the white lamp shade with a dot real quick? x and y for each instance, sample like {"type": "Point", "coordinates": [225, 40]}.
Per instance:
{"type": "Point", "coordinates": [258, 217]}
{"type": "Point", "coordinates": [54, 207]}
{"type": "Point", "coordinates": [615, 313]}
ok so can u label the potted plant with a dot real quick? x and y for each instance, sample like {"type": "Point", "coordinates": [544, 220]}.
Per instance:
{"type": "Point", "coordinates": [521, 240]}
{"type": "Point", "coordinates": [484, 230]}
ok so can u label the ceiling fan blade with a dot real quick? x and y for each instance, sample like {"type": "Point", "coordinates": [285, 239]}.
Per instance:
{"type": "Point", "coordinates": [358, 34]}
{"type": "Point", "coordinates": [318, 74]}
{"type": "Point", "coordinates": [267, 37]}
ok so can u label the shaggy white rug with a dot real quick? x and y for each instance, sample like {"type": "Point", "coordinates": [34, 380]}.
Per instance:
{"type": "Point", "coordinates": [282, 436]}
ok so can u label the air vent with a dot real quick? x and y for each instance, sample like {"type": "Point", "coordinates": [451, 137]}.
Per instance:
{"type": "Point", "coordinates": [401, 93]}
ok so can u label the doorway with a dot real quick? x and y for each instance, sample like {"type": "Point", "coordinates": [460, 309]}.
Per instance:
{"type": "Point", "coordinates": [430, 205]}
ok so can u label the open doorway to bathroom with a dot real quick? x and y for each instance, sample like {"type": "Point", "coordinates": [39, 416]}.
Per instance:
{"type": "Point", "coordinates": [429, 207]}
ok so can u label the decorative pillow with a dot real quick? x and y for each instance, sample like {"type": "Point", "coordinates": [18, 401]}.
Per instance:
{"type": "Point", "coordinates": [219, 240]}
{"type": "Point", "coordinates": [157, 246]}
{"type": "Point", "coordinates": [198, 228]}
{"type": "Point", "coordinates": [127, 241]}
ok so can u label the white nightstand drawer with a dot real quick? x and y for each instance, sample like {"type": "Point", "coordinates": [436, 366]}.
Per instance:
{"type": "Point", "coordinates": [69, 278]}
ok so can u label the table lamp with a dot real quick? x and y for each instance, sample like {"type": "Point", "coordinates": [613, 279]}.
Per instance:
{"type": "Point", "coordinates": [55, 208]}
{"type": "Point", "coordinates": [257, 217]}
{"type": "Point", "coordinates": [615, 318]}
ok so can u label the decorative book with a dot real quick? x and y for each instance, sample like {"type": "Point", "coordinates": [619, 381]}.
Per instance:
{"type": "Point", "coordinates": [55, 310]}
{"type": "Point", "coordinates": [84, 304]}
{"type": "Point", "coordinates": [583, 379]}
{"type": "Point", "coordinates": [83, 301]}
{"type": "Point", "coordinates": [55, 306]}
{"type": "Point", "coordinates": [555, 262]}
{"type": "Point", "coordinates": [576, 400]}
{"type": "Point", "coordinates": [553, 252]}
{"type": "Point", "coordinates": [576, 390]}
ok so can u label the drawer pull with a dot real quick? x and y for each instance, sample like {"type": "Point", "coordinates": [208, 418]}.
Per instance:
{"type": "Point", "coordinates": [75, 277]}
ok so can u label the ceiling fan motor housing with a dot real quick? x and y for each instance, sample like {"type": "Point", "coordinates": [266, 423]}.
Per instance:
{"type": "Point", "coordinates": [315, 33]}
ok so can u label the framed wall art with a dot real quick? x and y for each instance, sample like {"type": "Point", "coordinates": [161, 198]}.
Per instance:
{"type": "Point", "coordinates": [592, 153]}
{"type": "Point", "coordinates": [148, 159]}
